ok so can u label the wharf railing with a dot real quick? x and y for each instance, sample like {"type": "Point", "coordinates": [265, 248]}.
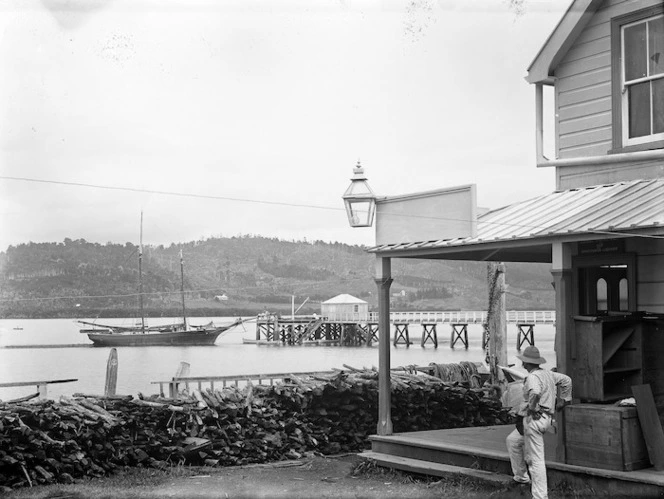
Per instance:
{"type": "Point", "coordinates": [450, 317]}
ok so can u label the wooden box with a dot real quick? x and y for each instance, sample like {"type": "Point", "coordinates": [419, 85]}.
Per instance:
{"type": "Point", "coordinates": [604, 436]}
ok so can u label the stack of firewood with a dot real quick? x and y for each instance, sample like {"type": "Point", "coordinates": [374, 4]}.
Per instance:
{"type": "Point", "coordinates": [47, 441]}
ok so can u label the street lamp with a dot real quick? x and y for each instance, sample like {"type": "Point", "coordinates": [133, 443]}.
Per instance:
{"type": "Point", "coordinates": [360, 200]}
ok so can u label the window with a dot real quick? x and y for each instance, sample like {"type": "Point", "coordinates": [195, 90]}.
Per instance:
{"type": "Point", "coordinates": [602, 297]}
{"type": "Point", "coordinates": [623, 293]}
{"type": "Point", "coordinates": [638, 69]}
{"type": "Point", "coordinates": [605, 283]}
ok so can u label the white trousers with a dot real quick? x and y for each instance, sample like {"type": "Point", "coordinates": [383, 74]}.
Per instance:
{"type": "Point", "coordinates": [527, 454]}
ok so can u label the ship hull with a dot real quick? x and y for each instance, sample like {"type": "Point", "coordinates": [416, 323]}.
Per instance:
{"type": "Point", "coordinates": [138, 339]}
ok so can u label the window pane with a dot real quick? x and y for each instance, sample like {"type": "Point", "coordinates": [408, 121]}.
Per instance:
{"type": "Point", "coordinates": [658, 105]}
{"type": "Point", "coordinates": [656, 45]}
{"type": "Point", "coordinates": [639, 109]}
{"type": "Point", "coordinates": [602, 302]}
{"type": "Point", "coordinates": [635, 52]}
{"type": "Point", "coordinates": [623, 293]}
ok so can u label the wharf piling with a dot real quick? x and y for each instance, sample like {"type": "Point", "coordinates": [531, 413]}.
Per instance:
{"type": "Point", "coordinates": [401, 336]}
{"type": "Point", "coordinates": [526, 335]}
{"type": "Point", "coordinates": [459, 333]}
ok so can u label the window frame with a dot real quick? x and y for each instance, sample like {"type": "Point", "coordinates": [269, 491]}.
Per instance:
{"type": "Point", "coordinates": [580, 288]}
{"type": "Point", "coordinates": [621, 143]}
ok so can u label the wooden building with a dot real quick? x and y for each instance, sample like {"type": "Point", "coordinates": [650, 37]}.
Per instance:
{"type": "Point", "coordinates": [602, 229]}
{"type": "Point", "coordinates": [345, 307]}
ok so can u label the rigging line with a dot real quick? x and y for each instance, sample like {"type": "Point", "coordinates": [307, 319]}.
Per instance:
{"type": "Point", "coordinates": [298, 205]}
{"type": "Point", "coordinates": [128, 295]}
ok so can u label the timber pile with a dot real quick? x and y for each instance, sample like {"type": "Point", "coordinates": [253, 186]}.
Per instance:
{"type": "Point", "coordinates": [47, 442]}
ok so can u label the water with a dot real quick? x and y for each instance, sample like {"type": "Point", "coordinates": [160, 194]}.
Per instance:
{"type": "Point", "coordinates": [139, 366]}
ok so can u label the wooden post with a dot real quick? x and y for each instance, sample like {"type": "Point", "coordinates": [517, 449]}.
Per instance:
{"type": "Point", "coordinates": [383, 281]}
{"type": "Point", "coordinates": [561, 270]}
{"type": "Point", "coordinates": [111, 373]}
{"type": "Point", "coordinates": [182, 371]}
{"type": "Point", "coordinates": [497, 322]}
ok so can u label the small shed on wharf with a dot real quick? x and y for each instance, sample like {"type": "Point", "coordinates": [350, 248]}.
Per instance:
{"type": "Point", "coordinates": [602, 229]}
{"type": "Point", "coordinates": [345, 308]}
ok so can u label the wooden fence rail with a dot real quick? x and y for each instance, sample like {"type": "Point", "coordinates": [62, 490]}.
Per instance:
{"type": "Point", "coordinates": [40, 385]}
{"type": "Point", "coordinates": [177, 381]}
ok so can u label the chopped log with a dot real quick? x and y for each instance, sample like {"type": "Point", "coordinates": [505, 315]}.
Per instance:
{"type": "Point", "coordinates": [102, 397]}
{"type": "Point", "coordinates": [202, 404]}
{"type": "Point", "coordinates": [87, 412]}
{"type": "Point", "coordinates": [22, 399]}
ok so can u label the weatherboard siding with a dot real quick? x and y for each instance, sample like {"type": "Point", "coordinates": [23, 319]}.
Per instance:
{"type": "Point", "coordinates": [649, 274]}
{"type": "Point", "coordinates": [576, 176]}
{"type": "Point", "coordinates": [584, 120]}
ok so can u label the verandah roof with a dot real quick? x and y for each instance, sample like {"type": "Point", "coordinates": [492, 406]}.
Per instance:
{"type": "Point", "coordinates": [525, 231]}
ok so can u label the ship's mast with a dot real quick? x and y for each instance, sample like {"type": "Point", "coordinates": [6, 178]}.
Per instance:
{"type": "Point", "coordinates": [184, 311]}
{"type": "Point", "coordinates": [140, 277]}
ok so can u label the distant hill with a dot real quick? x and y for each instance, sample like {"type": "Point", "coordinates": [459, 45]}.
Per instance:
{"type": "Point", "coordinates": [76, 278]}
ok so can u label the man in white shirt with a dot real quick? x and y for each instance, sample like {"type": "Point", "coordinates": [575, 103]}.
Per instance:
{"type": "Point", "coordinates": [540, 394]}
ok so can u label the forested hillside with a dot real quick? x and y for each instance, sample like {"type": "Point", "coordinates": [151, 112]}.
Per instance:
{"type": "Point", "coordinates": [238, 276]}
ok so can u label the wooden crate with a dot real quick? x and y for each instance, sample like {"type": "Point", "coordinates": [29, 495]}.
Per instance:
{"type": "Point", "coordinates": [604, 436]}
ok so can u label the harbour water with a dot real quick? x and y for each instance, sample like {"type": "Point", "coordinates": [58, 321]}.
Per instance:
{"type": "Point", "coordinates": [139, 366]}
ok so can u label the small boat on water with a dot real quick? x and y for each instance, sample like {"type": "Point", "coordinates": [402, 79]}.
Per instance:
{"type": "Point", "coordinates": [178, 334]}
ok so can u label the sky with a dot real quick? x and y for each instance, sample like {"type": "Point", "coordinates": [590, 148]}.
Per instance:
{"type": "Point", "coordinates": [227, 118]}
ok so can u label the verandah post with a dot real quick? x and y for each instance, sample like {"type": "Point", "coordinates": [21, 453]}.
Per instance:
{"type": "Point", "coordinates": [561, 270]}
{"type": "Point", "coordinates": [383, 279]}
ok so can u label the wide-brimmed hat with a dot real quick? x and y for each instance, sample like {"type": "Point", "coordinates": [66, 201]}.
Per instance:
{"type": "Point", "coordinates": [531, 355]}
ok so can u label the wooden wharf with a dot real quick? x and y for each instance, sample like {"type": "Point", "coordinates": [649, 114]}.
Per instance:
{"type": "Point", "coordinates": [362, 329]}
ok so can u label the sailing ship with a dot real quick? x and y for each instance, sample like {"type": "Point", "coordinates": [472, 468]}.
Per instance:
{"type": "Point", "coordinates": [178, 334]}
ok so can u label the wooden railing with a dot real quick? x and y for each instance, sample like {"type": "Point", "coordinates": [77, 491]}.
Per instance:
{"type": "Point", "coordinates": [40, 385]}
{"type": "Point", "coordinates": [176, 382]}
{"type": "Point", "coordinates": [466, 317]}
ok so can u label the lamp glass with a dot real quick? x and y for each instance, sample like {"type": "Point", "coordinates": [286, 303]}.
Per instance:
{"type": "Point", "coordinates": [360, 211]}
{"type": "Point", "coordinates": [360, 200]}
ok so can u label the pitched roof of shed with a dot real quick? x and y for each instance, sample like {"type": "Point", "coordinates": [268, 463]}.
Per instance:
{"type": "Point", "coordinates": [624, 207]}
{"type": "Point", "coordinates": [344, 298]}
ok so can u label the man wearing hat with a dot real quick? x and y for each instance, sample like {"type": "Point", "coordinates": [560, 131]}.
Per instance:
{"type": "Point", "coordinates": [540, 394]}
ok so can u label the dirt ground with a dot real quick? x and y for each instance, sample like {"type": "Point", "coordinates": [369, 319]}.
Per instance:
{"type": "Point", "coordinates": [337, 477]}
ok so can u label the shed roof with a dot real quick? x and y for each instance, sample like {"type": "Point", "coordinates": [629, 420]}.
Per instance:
{"type": "Point", "coordinates": [344, 298]}
{"type": "Point", "coordinates": [525, 231]}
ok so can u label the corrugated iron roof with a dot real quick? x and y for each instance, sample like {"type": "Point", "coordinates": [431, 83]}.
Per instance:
{"type": "Point", "coordinates": [620, 207]}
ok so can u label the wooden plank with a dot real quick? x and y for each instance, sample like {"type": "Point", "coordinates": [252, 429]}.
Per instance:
{"type": "Point", "coordinates": [111, 373]}
{"type": "Point", "coordinates": [35, 383]}
{"type": "Point", "coordinates": [650, 424]}
{"type": "Point", "coordinates": [436, 469]}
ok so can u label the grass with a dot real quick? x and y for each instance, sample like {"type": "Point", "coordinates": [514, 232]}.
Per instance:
{"type": "Point", "coordinates": [137, 479]}
{"type": "Point", "coordinates": [460, 487]}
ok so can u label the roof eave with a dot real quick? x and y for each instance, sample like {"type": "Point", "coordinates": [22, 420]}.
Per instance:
{"type": "Point", "coordinates": [574, 20]}
{"type": "Point", "coordinates": [483, 248]}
